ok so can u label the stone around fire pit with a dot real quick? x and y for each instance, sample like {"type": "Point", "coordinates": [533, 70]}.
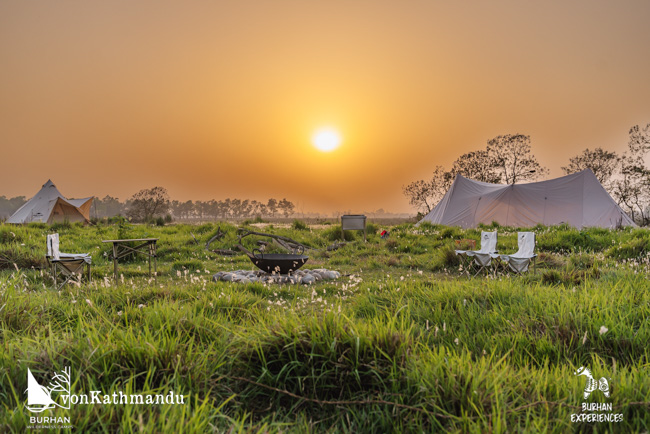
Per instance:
{"type": "Point", "coordinates": [305, 277]}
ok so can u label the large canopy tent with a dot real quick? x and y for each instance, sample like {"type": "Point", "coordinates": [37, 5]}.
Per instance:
{"type": "Point", "coordinates": [49, 206]}
{"type": "Point", "coordinates": [577, 199]}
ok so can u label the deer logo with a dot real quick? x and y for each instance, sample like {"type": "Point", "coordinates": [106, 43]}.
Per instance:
{"type": "Point", "coordinates": [592, 383]}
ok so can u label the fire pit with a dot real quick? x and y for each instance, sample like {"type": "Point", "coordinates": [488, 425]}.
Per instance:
{"type": "Point", "coordinates": [273, 263]}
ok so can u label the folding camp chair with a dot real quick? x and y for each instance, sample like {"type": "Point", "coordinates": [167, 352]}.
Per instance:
{"type": "Point", "coordinates": [66, 266]}
{"type": "Point", "coordinates": [480, 259]}
{"type": "Point", "coordinates": [519, 261]}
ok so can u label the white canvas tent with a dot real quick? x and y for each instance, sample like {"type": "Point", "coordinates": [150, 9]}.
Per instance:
{"type": "Point", "coordinates": [577, 199]}
{"type": "Point", "coordinates": [49, 206]}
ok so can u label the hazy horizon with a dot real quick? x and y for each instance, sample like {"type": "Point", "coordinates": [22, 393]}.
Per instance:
{"type": "Point", "coordinates": [221, 99]}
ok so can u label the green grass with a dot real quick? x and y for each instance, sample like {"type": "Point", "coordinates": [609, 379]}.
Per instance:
{"type": "Point", "coordinates": [402, 342]}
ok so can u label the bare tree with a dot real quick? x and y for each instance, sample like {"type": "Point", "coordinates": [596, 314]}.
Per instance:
{"type": "Point", "coordinates": [629, 192]}
{"type": "Point", "coordinates": [420, 194]}
{"type": "Point", "coordinates": [148, 203]}
{"type": "Point", "coordinates": [639, 141]}
{"type": "Point", "coordinates": [632, 189]}
{"type": "Point", "coordinates": [424, 194]}
{"type": "Point", "coordinates": [511, 156]}
{"type": "Point", "coordinates": [603, 163]}
{"type": "Point", "coordinates": [475, 165]}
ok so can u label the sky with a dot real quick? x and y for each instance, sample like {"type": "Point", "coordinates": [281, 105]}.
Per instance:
{"type": "Point", "coordinates": [220, 99]}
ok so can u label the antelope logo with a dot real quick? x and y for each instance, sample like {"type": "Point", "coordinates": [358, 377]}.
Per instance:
{"type": "Point", "coordinates": [592, 383]}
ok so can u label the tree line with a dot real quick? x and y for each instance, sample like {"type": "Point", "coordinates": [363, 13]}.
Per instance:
{"type": "Point", "coordinates": [152, 203]}
{"type": "Point", "coordinates": [508, 159]}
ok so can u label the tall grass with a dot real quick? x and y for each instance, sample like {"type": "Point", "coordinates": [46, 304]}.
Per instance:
{"type": "Point", "coordinates": [407, 346]}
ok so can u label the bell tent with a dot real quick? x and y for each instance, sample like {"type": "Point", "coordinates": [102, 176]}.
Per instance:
{"type": "Point", "coordinates": [49, 206]}
{"type": "Point", "coordinates": [577, 199]}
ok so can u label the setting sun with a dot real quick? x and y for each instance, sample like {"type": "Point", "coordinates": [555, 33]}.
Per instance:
{"type": "Point", "coordinates": [326, 139]}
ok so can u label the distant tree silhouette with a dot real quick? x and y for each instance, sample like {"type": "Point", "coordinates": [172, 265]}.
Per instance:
{"type": "Point", "coordinates": [286, 207]}
{"type": "Point", "coordinates": [148, 203]}
{"type": "Point", "coordinates": [108, 207]}
{"type": "Point", "coordinates": [475, 165]}
{"type": "Point", "coordinates": [511, 156]}
{"type": "Point", "coordinates": [272, 206]}
{"type": "Point", "coordinates": [632, 187]}
{"type": "Point", "coordinates": [603, 163]}
{"type": "Point", "coordinates": [10, 206]}
{"type": "Point", "coordinates": [424, 194]}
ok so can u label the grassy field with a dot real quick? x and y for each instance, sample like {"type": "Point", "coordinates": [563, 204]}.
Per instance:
{"type": "Point", "coordinates": [401, 342]}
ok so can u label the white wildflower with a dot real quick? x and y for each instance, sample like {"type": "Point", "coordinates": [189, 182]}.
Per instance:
{"type": "Point", "coordinates": [603, 330]}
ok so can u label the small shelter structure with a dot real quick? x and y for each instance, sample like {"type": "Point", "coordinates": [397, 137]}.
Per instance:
{"type": "Point", "coordinates": [577, 199]}
{"type": "Point", "coordinates": [50, 206]}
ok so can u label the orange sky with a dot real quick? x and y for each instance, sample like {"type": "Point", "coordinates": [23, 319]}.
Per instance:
{"type": "Point", "coordinates": [217, 99]}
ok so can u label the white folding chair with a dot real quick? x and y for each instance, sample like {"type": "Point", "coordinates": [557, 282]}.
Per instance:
{"type": "Point", "coordinates": [518, 262]}
{"type": "Point", "coordinates": [66, 266]}
{"type": "Point", "coordinates": [480, 259]}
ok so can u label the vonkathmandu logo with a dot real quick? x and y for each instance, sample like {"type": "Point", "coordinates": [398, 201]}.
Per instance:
{"type": "Point", "coordinates": [39, 398]}
{"type": "Point", "coordinates": [592, 411]}
{"type": "Point", "coordinates": [57, 394]}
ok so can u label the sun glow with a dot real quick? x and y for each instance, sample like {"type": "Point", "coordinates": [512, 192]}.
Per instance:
{"type": "Point", "coordinates": [326, 139]}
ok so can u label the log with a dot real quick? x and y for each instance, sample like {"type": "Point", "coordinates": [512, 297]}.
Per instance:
{"type": "Point", "coordinates": [218, 236]}
{"type": "Point", "coordinates": [335, 246]}
{"type": "Point", "coordinates": [291, 243]}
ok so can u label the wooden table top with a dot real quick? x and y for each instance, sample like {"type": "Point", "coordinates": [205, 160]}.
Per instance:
{"type": "Point", "coordinates": [126, 241]}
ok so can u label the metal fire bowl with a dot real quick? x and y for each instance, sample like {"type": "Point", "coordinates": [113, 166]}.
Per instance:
{"type": "Point", "coordinates": [278, 263]}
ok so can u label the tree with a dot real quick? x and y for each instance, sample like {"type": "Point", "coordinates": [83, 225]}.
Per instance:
{"type": "Point", "coordinates": [424, 194]}
{"type": "Point", "coordinates": [475, 165]}
{"type": "Point", "coordinates": [420, 194]}
{"type": "Point", "coordinates": [603, 163]}
{"type": "Point", "coordinates": [287, 207]}
{"type": "Point", "coordinates": [108, 207]}
{"type": "Point", "coordinates": [258, 208]}
{"type": "Point", "coordinates": [629, 193]}
{"type": "Point", "coordinates": [510, 155]}
{"type": "Point", "coordinates": [272, 206]}
{"type": "Point", "coordinates": [148, 203]}
{"type": "Point", "coordinates": [633, 186]}
{"type": "Point", "coordinates": [10, 206]}
{"type": "Point", "coordinates": [639, 141]}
